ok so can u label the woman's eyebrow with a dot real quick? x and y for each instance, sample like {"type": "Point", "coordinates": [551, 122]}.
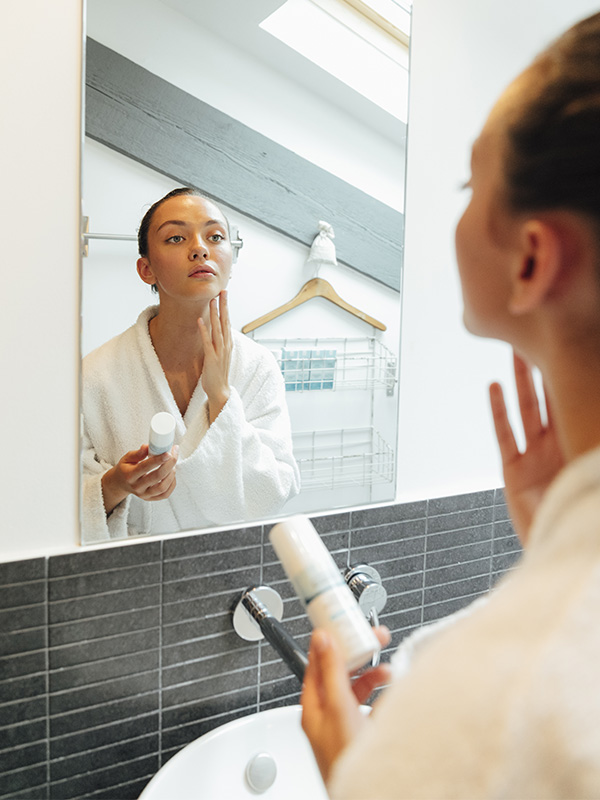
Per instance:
{"type": "Point", "coordinates": [179, 222]}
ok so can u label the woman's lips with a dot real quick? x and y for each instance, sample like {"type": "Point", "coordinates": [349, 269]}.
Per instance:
{"type": "Point", "coordinates": [203, 271]}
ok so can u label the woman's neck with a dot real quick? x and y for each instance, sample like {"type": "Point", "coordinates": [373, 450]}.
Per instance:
{"type": "Point", "coordinates": [572, 381]}
{"type": "Point", "coordinates": [175, 336]}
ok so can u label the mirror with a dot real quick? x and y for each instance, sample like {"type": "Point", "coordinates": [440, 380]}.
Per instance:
{"type": "Point", "coordinates": [217, 95]}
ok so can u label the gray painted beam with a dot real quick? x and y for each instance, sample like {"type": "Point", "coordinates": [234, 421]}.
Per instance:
{"type": "Point", "coordinates": [157, 124]}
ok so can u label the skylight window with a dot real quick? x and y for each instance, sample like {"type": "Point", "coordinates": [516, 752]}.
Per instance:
{"type": "Point", "coordinates": [360, 42]}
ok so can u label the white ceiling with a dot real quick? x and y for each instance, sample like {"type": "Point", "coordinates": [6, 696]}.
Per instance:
{"type": "Point", "coordinates": [238, 22]}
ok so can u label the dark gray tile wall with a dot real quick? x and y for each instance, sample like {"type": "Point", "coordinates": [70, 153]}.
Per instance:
{"type": "Point", "coordinates": [112, 660]}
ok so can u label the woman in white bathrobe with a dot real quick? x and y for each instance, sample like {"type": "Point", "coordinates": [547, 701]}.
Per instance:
{"type": "Point", "coordinates": [505, 701]}
{"type": "Point", "coordinates": [232, 460]}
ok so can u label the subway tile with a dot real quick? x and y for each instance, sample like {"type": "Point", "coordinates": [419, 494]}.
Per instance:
{"type": "Point", "coordinates": [403, 583]}
{"type": "Point", "coordinates": [392, 532]}
{"type": "Point", "coordinates": [403, 602]}
{"type": "Point", "coordinates": [390, 551]}
{"type": "Point", "coordinates": [456, 571]}
{"type": "Point", "coordinates": [90, 784]}
{"type": "Point", "coordinates": [209, 687]}
{"type": "Point", "coordinates": [460, 519]}
{"type": "Point", "coordinates": [14, 572]}
{"type": "Point", "coordinates": [212, 666]}
{"type": "Point", "coordinates": [505, 561]}
{"type": "Point", "coordinates": [401, 619]}
{"type": "Point", "coordinates": [84, 740]}
{"type": "Point", "coordinates": [195, 649]}
{"type": "Point", "coordinates": [279, 702]}
{"type": "Point", "coordinates": [100, 605]}
{"type": "Point", "coordinates": [104, 560]}
{"type": "Point", "coordinates": [383, 515]}
{"type": "Point", "coordinates": [122, 622]}
{"type": "Point", "coordinates": [501, 512]}
{"type": "Point", "coordinates": [444, 609]}
{"type": "Point", "coordinates": [19, 619]}
{"type": "Point", "coordinates": [504, 528]}
{"type": "Point", "coordinates": [21, 711]}
{"type": "Point", "coordinates": [19, 757]}
{"type": "Point", "coordinates": [20, 665]}
{"type": "Point", "coordinates": [24, 594]}
{"type": "Point", "coordinates": [103, 694]}
{"type": "Point", "coordinates": [19, 734]}
{"type": "Point", "coordinates": [103, 583]}
{"type": "Point", "coordinates": [460, 502]}
{"type": "Point", "coordinates": [332, 522]}
{"type": "Point", "coordinates": [506, 544]}
{"type": "Point", "coordinates": [28, 686]}
{"type": "Point", "coordinates": [208, 707]}
{"type": "Point", "coordinates": [128, 790]}
{"type": "Point", "coordinates": [278, 688]}
{"type": "Point", "coordinates": [98, 758]}
{"type": "Point", "coordinates": [97, 672]}
{"type": "Point", "coordinates": [227, 581]}
{"type": "Point", "coordinates": [205, 565]}
{"type": "Point", "coordinates": [23, 782]}
{"type": "Point", "coordinates": [401, 566]}
{"type": "Point", "coordinates": [32, 793]}
{"type": "Point", "coordinates": [460, 536]}
{"type": "Point", "coordinates": [200, 544]}
{"type": "Point", "coordinates": [136, 641]}
{"type": "Point", "coordinates": [447, 591]}
{"type": "Point", "coordinates": [22, 641]}
{"type": "Point", "coordinates": [459, 555]}
{"type": "Point", "coordinates": [104, 714]}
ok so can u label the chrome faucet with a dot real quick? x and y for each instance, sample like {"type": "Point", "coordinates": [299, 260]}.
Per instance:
{"type": "Point", "coordinates": [259, 610]}
{"type": "Point", "coordinates": [258, 613]}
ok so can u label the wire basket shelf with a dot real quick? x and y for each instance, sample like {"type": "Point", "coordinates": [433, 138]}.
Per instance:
{"type": "Point", "coordinates": [334, 364]}
{"type": "Point", "coordinates": [347, 457]}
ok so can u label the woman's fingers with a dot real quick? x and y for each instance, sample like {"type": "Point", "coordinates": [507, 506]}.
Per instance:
{"type": "Point", "coordinates": [528, 400]}
{"type": "Point", "coordinates": [364, 686]}
{"type": "Point", "coordinates": [504, 432]}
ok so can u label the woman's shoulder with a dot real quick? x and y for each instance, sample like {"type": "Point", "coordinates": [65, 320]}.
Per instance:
{"type": "Point", "coordinates": [122, 346]}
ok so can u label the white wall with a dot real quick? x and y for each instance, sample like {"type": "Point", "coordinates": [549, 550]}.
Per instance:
{"type": "Point", "coordinates": [40, 61]}
{"type": "Point", "coordinates": [463, 54]}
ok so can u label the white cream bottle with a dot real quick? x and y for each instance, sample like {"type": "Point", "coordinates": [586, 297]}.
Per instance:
{"type": "Point", "coordinates": [329, 602]}
{"type": "Point", "coordinates": [162, 433]}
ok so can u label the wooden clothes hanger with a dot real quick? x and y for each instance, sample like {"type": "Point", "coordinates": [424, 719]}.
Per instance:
{"type": "Point", "coordinates": [315, 287]}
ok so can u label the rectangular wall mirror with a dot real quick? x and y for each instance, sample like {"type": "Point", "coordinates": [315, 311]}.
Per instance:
{"type": "Point", "coordinates": [288, 115]}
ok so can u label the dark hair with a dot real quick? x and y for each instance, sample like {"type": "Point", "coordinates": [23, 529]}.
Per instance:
{"type": "Point", "coordinates": [553, 158]}
{"type": "Point", "coordinates": [147, 218]}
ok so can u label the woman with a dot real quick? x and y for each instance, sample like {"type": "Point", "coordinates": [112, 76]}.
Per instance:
{"type": "Point", "coordinates": [232, 460]}
{"type": "Point", "coordinates": [505, 702]}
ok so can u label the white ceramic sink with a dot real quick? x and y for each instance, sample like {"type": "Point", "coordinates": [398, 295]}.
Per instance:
{"type": "Point", "coordinates": [267, 750]}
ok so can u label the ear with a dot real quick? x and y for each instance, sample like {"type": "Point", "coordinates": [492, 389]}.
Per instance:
{"type": "Point", "coordinates": [145, 271]}
{"type": "Point", "coordinates": [537, 268]}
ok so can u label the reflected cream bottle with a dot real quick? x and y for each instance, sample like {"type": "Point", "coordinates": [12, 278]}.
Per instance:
{"type": "Point", "coordinates": [329, 602]}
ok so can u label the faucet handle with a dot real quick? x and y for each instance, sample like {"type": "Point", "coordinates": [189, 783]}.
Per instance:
{"type": "Point", "coordinates": [367, 587]}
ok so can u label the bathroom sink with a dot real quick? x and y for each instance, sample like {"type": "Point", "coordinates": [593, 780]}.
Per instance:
{"type": "Point", "coordinates": [261, 755]}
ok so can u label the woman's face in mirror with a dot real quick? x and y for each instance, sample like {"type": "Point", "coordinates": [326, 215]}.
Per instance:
{"type": "Point", "coordinates": [189, 250]}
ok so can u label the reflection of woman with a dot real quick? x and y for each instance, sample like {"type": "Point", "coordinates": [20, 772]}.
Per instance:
{"type": "Point", "coordinates": [232, 460]}
{"type": "Point", "coordinates": [505, 701]}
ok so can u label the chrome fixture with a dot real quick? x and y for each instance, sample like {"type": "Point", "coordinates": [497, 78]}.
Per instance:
{"type": "Point", "coordinates": [258, 614]}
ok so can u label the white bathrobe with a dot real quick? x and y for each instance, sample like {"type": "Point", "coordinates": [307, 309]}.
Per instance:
{"type": "Point", "coordinates": [504, 703]}
{"type": "Point", "coordinates": [237, 469]}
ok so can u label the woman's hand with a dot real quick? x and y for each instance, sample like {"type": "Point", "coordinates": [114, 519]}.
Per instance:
{"type": "Point", "coordinates": [331, 715]}
{"type": "Point", "coordinates": [217, 355]}
{"type": "Point", "coordinates": [147, 477]}
{"type": "Point", "coordinates": [527, 475]}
